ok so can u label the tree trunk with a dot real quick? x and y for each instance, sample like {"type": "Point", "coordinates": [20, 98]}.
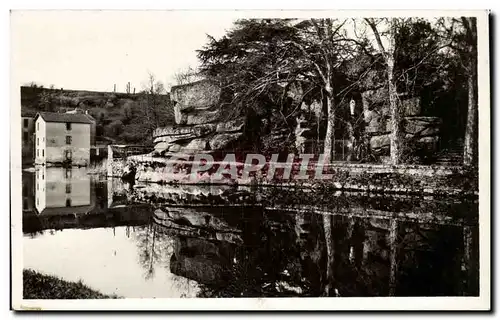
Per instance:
{"type": "Point", "coordinates": [329, 148]}
{"type": "Point", "coordinates": [470, 141]}
{"type": "Point", "coordinates": [388, 53]}
{"type": "Point", "coordinates": [470, 132]}
{"type": "Point", "coordinates": [396, 134]}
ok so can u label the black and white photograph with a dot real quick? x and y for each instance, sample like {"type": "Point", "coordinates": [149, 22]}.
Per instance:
{"type": "Point", "coordinates": [248, 160]}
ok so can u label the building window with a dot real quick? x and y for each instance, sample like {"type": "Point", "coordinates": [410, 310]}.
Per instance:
{"type": "Point", "coordinates": [37, 152]}
{"type": "Point", "coordinates": [37, 141]}
{"type": "Point", "coordinates": [25, 136]}
{"type": "Point", "coordinates": [68, 139]}
{"type": "Point", "coordinates": [37, 126]}
{"type": "Point", "coordinates": [68, 126]}
{"type": "Point", "coordinates": [68, 202]}
{"type": "Point", "coordinates": [43, 152]}
{"type": "Point", "coordinates": [26, 123]}
{"type": "Point", "coordinates": [68, 187]}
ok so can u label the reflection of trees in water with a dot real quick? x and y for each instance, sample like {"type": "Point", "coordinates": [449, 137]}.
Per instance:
{"type": "Point", "coordinates": [446, 257]}
{"type": "Point", "coordinates": [268, 264]}
{"type": "Point", "coordinates": [387, 257]}
{"type": "Point", "coordinates": [346, 271]}
{"type": "Point", "coordinates": [154, 248]}
{"type": "Point", "coordinates": [184, 285]}
{"type": "Point", "coordinates": [342, 255]}
{"type": "Point", "coordinates": [310, 254]}
{"type": "Point", "coordinates": [470, 261]}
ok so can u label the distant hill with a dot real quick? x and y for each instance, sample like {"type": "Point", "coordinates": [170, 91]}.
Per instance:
{"type": "Point", "coordinates": [120, 117]}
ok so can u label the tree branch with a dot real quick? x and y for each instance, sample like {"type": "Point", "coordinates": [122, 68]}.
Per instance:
{"type": "Point", "coordinates": [306, 55]}
{"type": "Point", "coordinates": [377, 36]}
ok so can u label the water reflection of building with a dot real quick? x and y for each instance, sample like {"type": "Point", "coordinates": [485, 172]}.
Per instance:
{"type": "Point", "coordinates": [61, 198]}
{"type": "Point", "coordinates": [28, 180]}
{"type": "Point", "coordinates": [63, 191]}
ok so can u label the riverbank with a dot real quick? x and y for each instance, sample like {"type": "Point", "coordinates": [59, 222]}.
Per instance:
{"type": "Point", "coordinates": [374, 178]}
{"type": "Point", "coordinates": [40, 286]}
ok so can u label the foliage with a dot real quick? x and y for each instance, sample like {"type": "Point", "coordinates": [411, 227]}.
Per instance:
{"type": "Point", "coordinates": [249, 63]}
{"type": "Point", "coordinates": [46, 101]}
{"type": "Point", "coordinates": [120, 118]}
{"type": "Point", "coordinates": [268, 67]}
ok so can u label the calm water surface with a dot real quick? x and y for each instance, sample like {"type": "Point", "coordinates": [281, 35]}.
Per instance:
{"type": "Point", "coordinates": [79, 226]}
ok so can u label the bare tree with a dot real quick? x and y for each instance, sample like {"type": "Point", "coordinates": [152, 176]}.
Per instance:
{"type": "Point", "coordinates": [185, 76]}
{"type": "Point", "coordinates": [324, 47]}
{"type": "Point", "coordinates": [153, 90]}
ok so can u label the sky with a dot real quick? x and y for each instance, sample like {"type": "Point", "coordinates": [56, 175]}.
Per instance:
{"type": "Point", "coordinates": [94, 50]}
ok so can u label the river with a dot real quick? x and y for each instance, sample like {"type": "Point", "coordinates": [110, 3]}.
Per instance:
{"type": "Point", "coordinates": [154, 241]}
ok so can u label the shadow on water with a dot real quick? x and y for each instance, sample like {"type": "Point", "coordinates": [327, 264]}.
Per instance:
{"type": "Point", "coordinates": [254, 250]}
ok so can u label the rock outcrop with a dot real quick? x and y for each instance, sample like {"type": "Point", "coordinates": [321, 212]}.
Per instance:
{"type": "Point", "coordinates": [420, 131]}
{"type": "Point", "coordinates": [199, 121]}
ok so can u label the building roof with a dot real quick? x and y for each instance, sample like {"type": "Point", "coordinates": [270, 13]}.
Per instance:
{"type": "Point", "coordinates": [64, 117]}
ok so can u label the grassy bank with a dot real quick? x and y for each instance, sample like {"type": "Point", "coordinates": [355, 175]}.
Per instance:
{"type": "Point", "coordinates": [40, 286]}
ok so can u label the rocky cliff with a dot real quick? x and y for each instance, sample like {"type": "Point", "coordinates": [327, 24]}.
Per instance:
{"type": "Point", "coordinates": [421, 132]}
{"type": "Point", "coordinates": [199, 122]}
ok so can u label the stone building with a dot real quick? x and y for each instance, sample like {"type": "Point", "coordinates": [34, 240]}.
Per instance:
{"type": "Point", "coordinates": [63, 138]}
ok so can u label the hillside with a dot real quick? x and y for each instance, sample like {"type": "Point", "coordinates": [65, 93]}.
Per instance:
{"type": "Point", "coordinates": [120, 117]}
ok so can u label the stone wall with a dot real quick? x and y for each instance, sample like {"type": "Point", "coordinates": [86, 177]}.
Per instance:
{"type": "Point", "coordinates": [373, 178]}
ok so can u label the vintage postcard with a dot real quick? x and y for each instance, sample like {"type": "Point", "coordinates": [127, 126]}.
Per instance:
{"type": "Point", "coordinates": [250, 160]}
